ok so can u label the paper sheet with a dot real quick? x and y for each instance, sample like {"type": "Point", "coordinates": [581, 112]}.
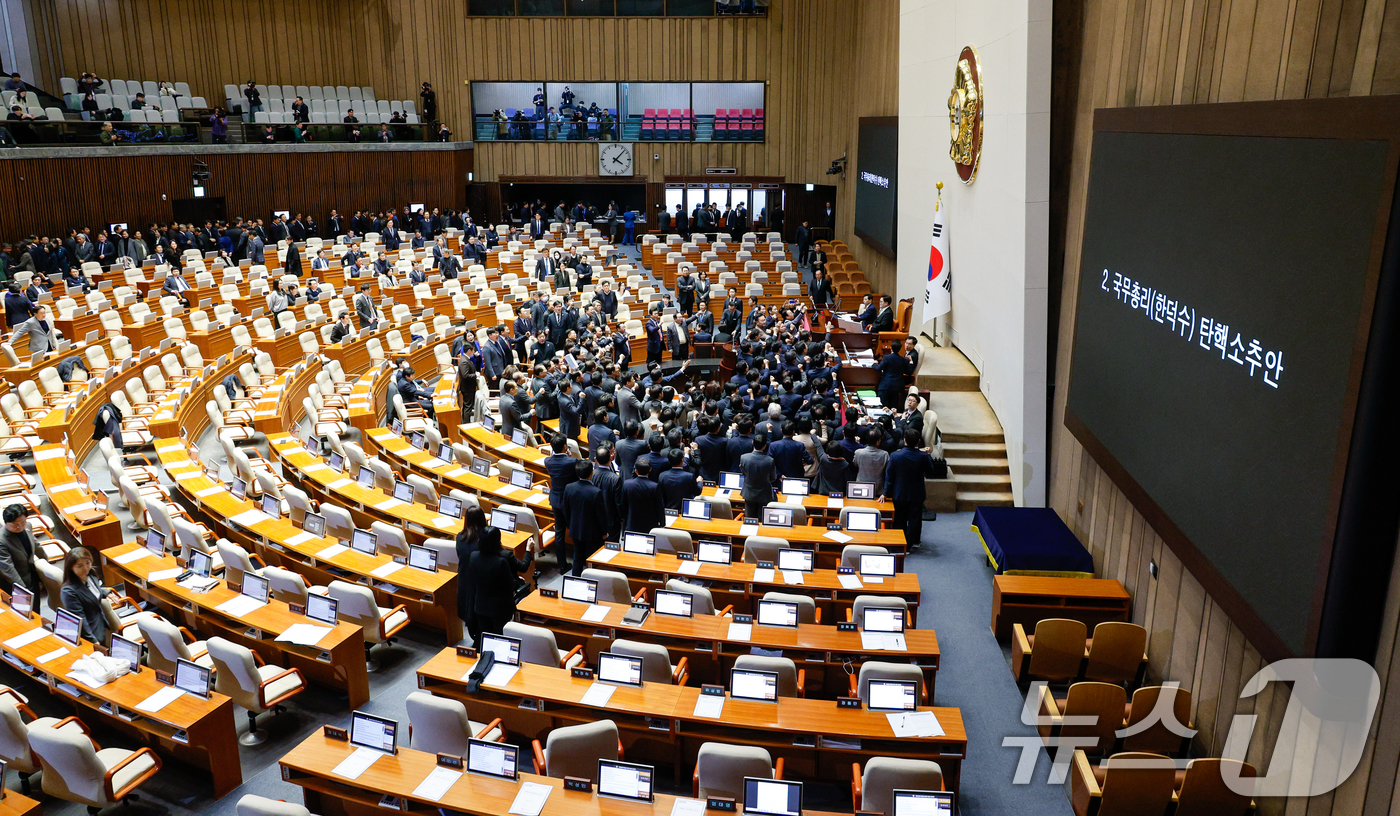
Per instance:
{"type": "Point", "coordinates": [304, 634]}
{"type": "Point", "coordinates": [507, 447]}
{"type": "Point", "coordinates": [433, 462]}
{"type": "Point", "coordinates": [536, 498]}
{"type": "Point", "coordinates": [915, 724]}
{"type": "Point", "coordinates": [240, 606]}
{"type": "Point", "coordinates": [161, 575]}
{"type": "Point", "coordinates": [209, 491]}
{"type": "Point", "coordinates": [530, 800]}
{"type": "Point", "coordinates": [389, 504]}
{"type": "Point", "coordinates": [197, 583]}
{"type": "Point", "coordinates": [40, 456]}
{"type": "Point", "coordinates": [688, 807]}
{"type": "Point", "coordinates": [357, 763]}
{"type": "Point", "coordinates": [79, 508]}
{"type": "Point", "coordinates": [314, 467]}
{"type": "Point", "coordinates": [709, 705]}
{"type": "Point", "coordinates": [386, 570]}
{"type": "Point", "coordinates": [595, 613]}
{"type": "Point", "coordinates": [455, 472]}
{"type": "Point", "coordinates": [604, 556]}
{"type": "Point", "coordinates": [873, 579]}
{"type": "Point", "coordinates": [850, 582]}
{"type": "Point", "coordinates": [436, 784]}
{"type": "Point", "coordinates": [300, 539]}
{"type": "Point", "coordinates": [880, 641]}
{"type": "Point", "coordinates": [740, 631]}
{"type": "Point", "coordinates": [597, 695]}
{"type": "Point", "coordinates": [835, 504]}
{"type": "Point", "coordinates": [134, 555]}
{"type": "Point", "coordinates": [20, 641]}
{"type": "Point", "coordinates": [689, 568]}
{"type": "Point", "coordinates": [748, 529]}
{"type": "Point", "coordinates": [332, 551]}
{"type": "Point", "coordinates": [249, 517]}
{"type": "Point", "coordinates": [837, 536]}
{"type": "Point", "coordinates": [792, 577]}
{"type": "Point", "coordinates": [500, 674]}
{"type": "Point", "coordinates": [160, 699]}
{"type": "Point", "coordinates": [54, 655]}
{"type": "Point", "coordinates": [443, 521]}
{"type": "Point", "coordinates": [671, 520]}
{"type": "Point", "coordinates": [339, 483]}
{"type": "Point", "coordinates": [183, 477]}
{"type": "Point", "coordinates": [763, 576]}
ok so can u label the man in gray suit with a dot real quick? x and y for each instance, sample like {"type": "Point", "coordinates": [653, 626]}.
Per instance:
{"type": "Point", "coordinates": [256, 249]}
{"type": "Point", "coordinates": [759, 476]}
{"type": "Point", "coordinates": [493, 359]}
{"type": "Point", "coordinates": [17, 549]}
{"type": "Point", "coordinates": [628, 406]}
{"type": "Point", "coordinates": [511, 418]}
{"type": "Point", "coordinates": [364, 308]}
{"type": "Point", "coordinates": [42, 336]}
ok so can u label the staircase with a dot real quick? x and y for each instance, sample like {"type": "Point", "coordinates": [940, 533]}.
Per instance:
{"type": "Point", "coordinates": [973, 441]}
{"type": "Point", "coordinates": [980, 469]}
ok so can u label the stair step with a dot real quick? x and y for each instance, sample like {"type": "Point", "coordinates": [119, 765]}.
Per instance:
{"type": "Point", "coordinates": [978, 464]}
{"type": "Point", "coordinates": [969, 450]}
{"type": "Point", "coordinates": [993, 437]}
{"type": "Point", "coordinates": [981, 481]}
{"type": "Point", "coordinates": [972, 501]}
{"type": "Point", "coordinates": [948, 382]}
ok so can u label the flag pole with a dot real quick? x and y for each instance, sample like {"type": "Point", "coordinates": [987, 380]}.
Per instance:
{"type": "Point", "coordinates": [940, 324]}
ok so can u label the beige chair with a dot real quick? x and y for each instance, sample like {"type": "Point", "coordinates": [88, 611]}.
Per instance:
{"type": "Point", "coordinates": [16, 721]}
{"type": "Point", "coordinates": [1053, 653]}
{"type": "Point", "coordinates": [166, 644]}
{"type": "Point", "coordinates": [807, 611]}
{"type": "Point", "coordinates": [390, 538]}
{"type": "Point", "coordinates": [574, 750]}
{"type": "Point", "coordinates": [720, 769]}
{"type": "Point", "coordinates": [872, 790]}
{"type": "Point", "coordinates": [76, 770]}
{"type": "Point", "coordinates": [851, 553]}
{"type": "Point", "coordinates": [1158, 737]}
{"type": "Point", "coordinates": [612, 585]}
{"type": "Point", "coordinates": [792, 681]}
{"type": "Point", "coordinates": [1202, 791]}
{"type": "Point", "coordinates": [239, 675]}
{"type": "Point", "coordinates": [672, 541]}
{"type": "Point", "coordinates": [857, 611]}
{"type": "Point", "coordinates": [880, 670]}
{"type": "Point", "coordinates": [446, 550]}
{"type": "Point", "coordinates": [238, 561]}
{"type": "Point", "coordinates": [355, 604]}
{"type": "Point", "coordinates": [1129, 784]}
{"type": "Point", "coordinates": [537, 645]}
{"type": "Point", "coordinates": [763, 548]}
{"type": "Point", "coordinates": [702, 602]}
{"type": "Point", "coordinates": [289, 587]}
{"type": "Point", "coordinates": [656, 661]}
{"type": "Point", "coordinates": [1100, 705]}
{"type": "Point", "coordinates": [1118, 653]}
{"type": "Point", "coordinates": [438, 725]}
{"type": "Point", "coordinates": [254, 805]}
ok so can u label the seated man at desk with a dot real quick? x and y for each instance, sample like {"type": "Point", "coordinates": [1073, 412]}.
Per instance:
{"type": "Point", "coordinates": [342, 327]}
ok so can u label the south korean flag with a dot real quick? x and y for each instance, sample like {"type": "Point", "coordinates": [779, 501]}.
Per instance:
{"type": "Point", "coordinates": [938, 291]}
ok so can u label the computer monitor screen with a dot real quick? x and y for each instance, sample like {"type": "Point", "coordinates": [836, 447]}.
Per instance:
{"type": "Point", "coordinates": [403, 491]}
{"type": "Point", "coordinates": [506, 649]}
{"type": "Point", "coordinates": [748, 684]}
{"type": "Point", "coordinates": [240, 489]}
{"type": "Point", "coordinates": [772, 797]}
{"type": "Point", "coordinates": [193, 678]}
{"type": "Point", "coordinates": [892, 695]}
{"type": "Point", "coordinates": [445, 452]}
{"type": "Point", "coordinates": [882, 619]}
{"type": "Point", "coordinates": [794, 487]}
{"type": "Point", "coordinates": [488, 422]}
{"type": "Point", "coordinates": [365, 477]}
{"type": "Point", "coordinates": [616, 668]}
{"type": "Point", "coordinates": [923, 803]}
{"type": "Point", "coordinates": [714, 552]}
{"type": "Point", "coordinates": [695, 509]}
{"type": "Point", "coordinates": [271, 506]}
{"type": "Point", "coordinates": [519, 437]}
{"type": "Point", "coordinates": [369, 731]}
{"type": "Point", "coordinates": [639, 543]}
{"type": "Point", "coordinates": [201, 563]}
{"type": "Point", "coordinates": [397, 427]}
{"type": "Point", "coordinates": [584, 590]}
{"type": "Point", "coordinates": [337, 462]}
{"type": "Point", "coordinates": [491, 759]}
{"type": "Point", "coordinates": [255, 586]}
{"type": "Point", "coordinates": [364, 541]}
{"type": "Point", "coordinates": [315, 524]}
{"type": "Point", "coordinates": [128, 650]}
{"type": "Point", "coordinates": [777, 613]}
{"type": "Point", "coordinates": [67, 626]}
{"type": "Point", "coordinates": [863, 521]}
{"type": "Point", "coordinates": [21, 600]}
{"type": "Point", "coordinates": [422, 558]}
{"type": "Point", "coordinates": [674, 603]}
{"type": "Point", "coordinates": [777, 517]}
{"type": "Point", "coordinates": [799, 560]}
{"type": "Point", "coordinates": [876, 564]}
{"type": "Point", "coordinates": [503, 521]}
{"type": "Point", "coordinates": [731, 481]}
{"type": "Point", "coordinates": [521, 478]}
{"type": "Point", "coordinates": [450, 507]}
{"type": "Point", "coordinates": [860, 490]}
{"type": "Point", "coordinates": [321, 608]}
{"type": "Point", "coordinates": [418, 440]}
{"type": "Point", "coordinates": [480, 466]}
{"type": "Point", "coordinates": [625, 780]}
{"type": "Point", "coordinates": [155, 541]}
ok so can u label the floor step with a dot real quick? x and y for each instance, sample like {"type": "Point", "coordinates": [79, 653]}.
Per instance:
{"type": "Point", "coordinates": [989, 437]}
{"type": "Point", "coordinates": [971, 450]}
{"type": "Point", "coordinates": [982, 481]}
{"type": "Point", "coordinates": [977, 464]}
{"type": "Point", "coordinates": [948, 382]}
{"type": "Point", "coordinates": [972, 501]}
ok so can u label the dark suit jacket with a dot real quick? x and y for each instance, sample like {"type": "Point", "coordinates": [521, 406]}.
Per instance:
{"type": "Point", "coordinates": [760, 474]}
{"type": "Point", "coordinates": [714, 456]}
{"type": "Point", "coordinates": [493, 360]}
{"type": "Point", "coordinates": [676, 486]}
{"type": "Point", "coordinates": [487, 584]}
{"type": "Point", "coordinates": [905, 474]}
{"type": "Point", "coordinates": [584, 514]}
{"type": "Point", "coordinates": [628, 451]}
{"type": "Point", "coordinates": [628, 407]}
{"type": "Point", "coordinates": [790, 457]}
{"type": "Point", "coordinates": [607, 302]}
{"type": "Point", "coordinates": [736, 447]}
{"type": "Point", "coordinates": [17, 561]}
{"type": "Point", "coordinates": [80, 600]}
{"type": "Point", "coordinates": [562, 473]}
{"type": "Point", "coordinates": [820, 291]}
{"type": "Point", "coordinates": [610, 483]}
{"type": "Point", "coordinates": [884, 321]}
{"type": "Point", "coordinates": [557, 325]}
{"type": "Point", "coordinates": [641, 505]}
{"type": "Point", "coordinates": [598, 434]}
{"type": "Point", "coordinates": [568, 415]}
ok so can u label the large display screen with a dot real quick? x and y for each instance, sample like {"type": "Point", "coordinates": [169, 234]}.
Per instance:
{"type": "Point", "coordinates": [1222, 313]}
{"type": "Point", "coordinates": [877, 171]}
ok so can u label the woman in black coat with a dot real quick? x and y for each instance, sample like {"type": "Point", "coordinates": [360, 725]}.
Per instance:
{"type": "Point", "coordinates": [473, 525]}
{"type": "Point", "coordinates": [82, 593]}
{"type": "Point", "coordinates": [487, 586]}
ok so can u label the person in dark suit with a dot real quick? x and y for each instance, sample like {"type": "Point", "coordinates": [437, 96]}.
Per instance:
{"type": "Point", "coordinates": [685, 290]}
{"type": "Point", "coordinates": [175, 284]}
{"type": "Point", "coordinates": [556, 324]}
{"type": "Point", "coordinates": [537, 227]}
{"type": "Point", "coordinates": [493, 359]}
{"type": "Point", "coordinates": [82, 594]}
{"type": "Point", "coordinates": [609, 481]}
{"type": "Point", "coordinates": [17, 549]}
{"type": "Point", "coordinates": [607, 300]}
{"type": "Point", "coordinates": [630, 449]}
{"type": "Point", "coordinates": [524, 327]}
{"type": "Point", "coordinates": [712, 448]}
{"type": "Point", "coordinates": [676, 483]}
{"type": "Point", "coordinates": [486, 602]}
{"type": "Point", "coordinates": [820, 290]}
{"type": "Point", "coordinates": [364, 308]}
{"type": "Point", "coordinates": [760, 474]}
{"type": "Point", "coordinates": [560, 467]}
{"type": "Point", "coordinates": [895, 372]}
{"type": "Point", "coordinates": [884, 318]}
{"type": "Point", "coordinates": [509, 403]}
{"type": "Point", "coordinates": [655, 345]}
{"type": "Point", "coordinates": [629, 407]}
{"type": "Point", "coordinates": [904, 485]}
{"type": "Point", "coordinates": [473, 526]}
{"type": "Point", "coordinates": [789, 455]}
{"type": "Point", "coordinates": [568, 410]}
{"type": "Point", "coordinates": [804, 242]}
{"type": "Point", "coordinates": [740, 443]}
{"type": "Point", "coordinates": [342, 327]}
{"type": "Point", "coordinates": [584, 516]}
{"type": "Point", "coordinates": [599, 433]}
{"type": "Point", "coordinates": [865, 315]}
{"type": "Point", "coordinates": [641, 501]}
{"type": "Point", "coordinates": [622, 348]}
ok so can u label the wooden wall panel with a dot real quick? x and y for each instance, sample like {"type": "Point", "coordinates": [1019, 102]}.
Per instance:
{"type": "Point", "coordinates": [1225, 50]}
{"type": "Point", "coordinates": [825, 62]}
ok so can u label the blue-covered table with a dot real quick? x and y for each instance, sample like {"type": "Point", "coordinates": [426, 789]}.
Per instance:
{"type": "Point", "coordinates": [1031, 541]}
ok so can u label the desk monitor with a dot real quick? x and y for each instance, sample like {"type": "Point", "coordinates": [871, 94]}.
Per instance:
{"type": "Point", "coordinates": [521, 478]}
{"type": "Point", "coordinates": [519, 437]}
{"type": "Point", "coordinates": [365, 477]}
{"type": "Point", "coordinates": [270, 506]}
{"type": "Point", "coordinates": [882, 619]}
{"type": "Point", "coordinates": [772, 797]}
{"type": "Point", "coordinates": [617, 668]}
{"type": "Point", "coordinates": [255, 586]}
{"type": "Point", "coordinates": [321, 608]}
{"type": "Point", "coordinates": [315, 524]}
{"type": "Point", "coordinates": [696, 509]}
{"type": "Point", "coordinates": [423, 558]}
{"type": "Point", "coordinates": [798, 560]}
{"type": "Point", "coordinates": [750, 684]}
{"type": "Point", "coordinates": [418, 440]}
{"type": "Point", "coordinates": [862, 521]}
{"type": "Point", "coordinates": [506, 649]}
{"type": "Point", "coordinates": [639, 543]}
{"type": "Point", "coordinates": [714, 552]}
{"type": "Point", "coordinates": [67, 626]}
{"type": "Point", "coordinates": [674, 603]}
{"type": "Point", "coordinates": [876, 564]}
{"type": "Point", "coordinates": [480, 466]}
{"type": "Point", "coordinates": [583, 590]}
{"type": "Point", "coordinates": [503, 520]}
{"type": "Point", "coordinates": [491, 759]}
{"type": "Point", "coordinates": [201, 563]}
{"type": "Point", "coordinates": [450, 507]}
{"type": "Point", "coordinates": [128, 650]}
{"type": "Point", "coordinates": [625, 780]}
{"type": "Point", "coordinates": [860, 490]}
{"type": "Point", "coordinates": [22, 601]}
{"type": "Point", "coordinates": [403, 491]}
{"type": "Point", "coordinates": [892, 695]}
{"type": "Point", "coordinates": [794, 487]}
{"type": "Point", "coordinates": [777, 613]}
{"type": "Point", "coordinates": [240, 489]}
{"type": "Point", "coordinates": [731, 481]}
{"type": "Point", "coordinates": [397, 427]}
{"type": "Point", "coordinates": [923, 803]}
{"type": "Point", "coordinates": [444, 452]}
{"type": "Point", "coordinates": [777, 517]}
{"type": "Point", "coordinates": [365, 542]}
{"type": "Point", "coordinates": [337, 462]}
{"type": "Point", "coordinates": [488, 422]}
{"type": "Point", "coordinates": [377, 733]}
{"type": "Point", "coordinates": [155, 541]}
{"type": "Point", "coordinates": [193, 678]}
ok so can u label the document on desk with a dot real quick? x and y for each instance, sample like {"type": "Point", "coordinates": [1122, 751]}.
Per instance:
{"type": "Point", "coordinates": [389, 504]}
{"type": "Point", "coordinates": [792, 577]}
{"type": "Point", "coordinates": [748, 529]}
{"type": "Point", "coordinates": [198, 584]}
{"type": "Point", "coordinates": [240, 606]}
{"type": "Point", "coordinates": [689, 568]}
{"type": "Point", "coordinates": [303, 634]}
{"type": "Point", "coordinates": [837, 536]}
{"type": "Point", "coordinates": [455, 472]}
{"type": "Point", "coordinates": [436, 784]}
{"type": "Point", "coordinates": [249, 517]}
{"type": "Point", "coordinates": [332, 551]}
{"type": "Point", "coordinates": [432, 462]}
{"type": "Point", "coordinates": [54, 655]}
{"type": "Point", "coordinates": [507, 447]}
{"type": "Point", "coordinates": [915, 724]}
{"type": "Point", "coordinates": [880, 641]}
{"type": "Point", "coordinates": [300, 539]}
{"type": "Point", "coordinates": [386, 570]}
{"type": "Point", "coordinates": [688, 807]}
{"type": "Point", "coordinates": [595, 613]}
{"type": "Point", "coordinates": [604, 556]}
{"type": "Point", "coordinates": [740, 631]}
{"type": "Point", "coordinates": [709, 705]}
{"type": "Point", "coordinates": [22, 640]}
{"type": "Point", "coordinates": [161, 575]}
{"type": "Point", "coordinates": [134, 555]}
{"type": "Point", "coordinates": [873, 579]}
{"type": "Point", "coordinates": [763, 576]}
{"type": "Point", "coordinates": [357, 763]}
{"type": "Point", "coordinates": [536, 498]}
{"type": "Point", "coordinates": [315, 466]}
{"type": "Point", "coordinates": [210, 491]}
{"type": "Point", "coordinates": [179, 477]}
{"type": "Point", "coordinates": [850, 582]}
{"type": "Point", "coordinates": [530, 800]}
{"type": "Point", "coordinates": [598, 695]}
{"type": "Point", "coordinates": [671, 520]}
{"type": "Point", "coordinates": [339, 483]}
{"type": "Point", "coordinates": [500, 674]}
{"type": "Point", "coordinates": [159, 700]}
{"type": "Point", "coordinates": [833, 503]}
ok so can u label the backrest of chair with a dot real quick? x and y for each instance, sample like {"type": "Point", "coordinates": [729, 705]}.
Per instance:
{"type": "Point", "coordinates": [1159, 736]}
{"type": "Point", "coordinates": [885, 601]}
{"type": "Point", "coordinates": [702, 602]}
{"type": "Point", "coordinates": [1137, 783]}
{"type": "Point", "coordinates": [722, 768]}
{"type": "Point", "coordinates": [72, 770]}
{"type": "Point", "coordinates": [1116, 652]}
{"type": "Point", "coordinates": [574, 750]}
{"type": "Point", "coordinates": [851, 553]}
{"type": "Point", "coordinates": [1104, 703]}
{"type": "Point", "coordinates": [286, 586]}
{"type": "Point", "coordinates": [236, 561]}
{"type": "Point", "coordinates": [537, 644]}
{"type": "Point", "coordinates": [1203, 791]}
{"type": "Point", "coordinates": [885, 775]}
{"type": "Point", "coordinates": [880, 670]}
{"type": "Point", "coordinates": [164, 645]}
{"type": "Point", "coordinates": [355, 605]}
{"type": "Point", "coordinates": [389, 538]}
{"type": "Point", "coordinates": [612, 585]}
{"type": "Point", "coordinates": [656, 660]}
{"type": "Point", "coordinates": [338, 522]}
{"type": "Point", "coordinates": [1058, 649]}
{"type": "Point", "coordinates": [806, 604]}
{"type": "Point", "coordinates": [438, 725]}
{"type": "Point", "coordinates": [763, 548]}
{"type": "Point", "coordinates": [236, 673]}
{"type": "Point", "coordinates": [254, 805]}
{"type": "Point", "coordinates": [785, 668]}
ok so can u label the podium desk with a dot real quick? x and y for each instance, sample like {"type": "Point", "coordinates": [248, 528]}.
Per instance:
{"type": "Point", "coordinates": [75, 328]}
{"type": "Point", "coordinates": [827, 543]}
{"type": "Point", "coordinates": [336, 661]}
{"type": "Point", "coordinates": [194, 730]}
{"type": "Point", "coordinates": [657, 721]}
{"type": "Point", "coordinates": [146, 335]}
{"type": "Point", "coordinates": [213, 343]}
{"type": "Point", "coordinates": [734, 583]}
{"type": "Point", "coordinates": [824, 651]}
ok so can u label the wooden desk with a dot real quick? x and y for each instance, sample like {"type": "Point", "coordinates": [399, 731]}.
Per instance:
{"type": "Point", "coordinates": [194, 730]}
{"type": "Point", "coordinates": [1028, 599]}
{"type": "Point", "coordinates": [17, 804]}
{"type": "Point", "coordinates": [75, 328]}
{"type": "Point", "coordinates": [284, 351]}
{"type": "Point", "coordinates": [807, 536]}
{"type": "Point", "coordinates": [493, 444]}
{"type": "Point", "coordinates": [337, 661]}
{"type": "Point", "coordinates": [448, 475]}
{"type": "Point", "coordinates": [821, 649]}
{"type": "Point", "coordinates": [819, 507]}
{"type": "Point", "coordinates": [735, 584]}
{"type": "Point", "coordinates": [68, 497]}
{"type": "Point", "coordinates": [657, 722]}
{"type": "Point", "coordinates": [25, 371]}
{"type": "Point", "coordinates": [213, 343]}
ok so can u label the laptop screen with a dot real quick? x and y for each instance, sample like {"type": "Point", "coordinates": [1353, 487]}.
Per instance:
{"type": "Point", "coordinates": [714, 552]}
{"type": "Point", "coordinates": [503, 521]}
{"type": "Point", "coordinates": [445, 452]}
{"type": "Point", "coordinates": [694, 509]}
{"type": "Point", "coordinates": [365, 477]}
{"type": "Point", "coordinates": [480, 466]}
{"type": "Point", "coordinates": [882, 619]}
{"type": "Point", "coordinates": [794, 487]}
{"type": "Point", "coordinates": [488, 422]}
{"type": "Point", "coordinates": [193, 678]}
{"type": "Point", "coordinates": [271, 506]}
{"type": "Point", "coordinates": [674, 603]}
{"type": "Point", "coordinates": [799, 560]}
{"type": "Point", "coordinates": [369, 731]}
{"type": "Point", "coordinates": [491, 759]}
{"type": "Point", "coordinates": [255, 586]}
{"type": "Point", "coordinates": [521, 478]}
{"type": "Point", "coordinates": [863, 521]}
{"type": "Point", "coordinates": [777, 517]}
{"type": "Point", "coordinates": [422, 558]}
{"type": "Point", "coordinates": [314, 524]}
{"type": "Point", "coordinates": [519, 437]}
{"type": "Point", "coordinates": [67, 626]}
{"type": "Point", "coordinates": [155, 541]}
{"type": "Point", "coordinates": [772, 797]}
{"type": "Point", "coordinates": [877, 564]}
{"type": "Point", "coordinates": [923, 803]}
{"type": "Point", "coordinates": [364, 541]}
{"type": "Point", "coordinates": [625, 780]}
{"type": "Point", "coordinates": [337, 462]}
{"type": "Point", "coordinates": [860, 490]}
{"type": "Point", "coordinates": [403, 491]}
{"type": "Point", "coordinates": [201, 563]}
{"type": "Point", "coordinates": [506, 649]}
{"type": "Point", "coordinates": [450, 507]}
{"type": "Point", "coordinates": [892, 695]}
{"type": "Point", "coordinates": [321, 608]}
{"type": "Point", "coordinates": [639, 543]}
{"type": "Point", "coordinates": [731, 481]}
{"type": "Point", "coordinates": [128, 650]}
{"type": "Point", "coordinates": [21, 600]}
{"type": "Point", "coordinates": [417, 440]}
{"type": "Point", "coordinates": [616, 668]}
{"type": "Point", "coordinates": [584, 590]}
{"type": "Point", "coordinates": [747, 684]}
{"type": "Point", "coordinates": [240, 489]}
{"type": "Point", "coordinates": [777, 613]}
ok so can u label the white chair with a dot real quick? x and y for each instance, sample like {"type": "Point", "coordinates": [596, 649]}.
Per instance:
{"type": "Point", "coordinates": [355, 604]}
{"type": "Point", "coordinates": [880, 670]}
{"type": "Point", "coordinates": [656, 661]}
{"type": "Point", "coordinates": [254, 687]}
{"type": "Point", "coordinates": [15, 747]}
{"type": "Point", "coordinates": [851, 553]}
{"type": "Point", "coordinates": [254, 805]}
{"type": "Point", "coordinates": [165, 645]}
{"type": "Point", "coordinates": [807, 611]}
{"type": "Point", "coordinates": [390, 539]}
{"type": "Point", "coordinates": [792, 681]}
{"type": "Point", "coordinates": [720, 769]}
{"type": "Point", "coordinates": [612, 585]}
{"type": "Point", "coordinates": [77, 770]}
{"type": "Point", "coordinates": [237, 561]}
{"type": "Point", "coordinates": [438, 725]}
{"type": "Point", "coordinates": [289, 587]}
{"type": "Point", "coordinates": [873, 789]}
{"type": "Point", "coordinates": [537, 645]}
{"type": "Point", "coordinates": [763, 548]}
{"type": "Point", "coordinates": [702, 602]}
{"type": "Point", "coordinates": [574, 750]}
{"type": "Point", "coordinates": [446, 550]}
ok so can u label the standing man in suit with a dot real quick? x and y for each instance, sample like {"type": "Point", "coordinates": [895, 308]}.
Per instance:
{"type": "Point", "coordinates": [884, 318]}
{"type": "Point", "coordinates": [607, 300]}
{"type": "Point", "coordinates": [524, 327]}
{"type": "Point", "coordinates": [629, 407]}
{"type": "Point", "coordinates": [622, 348]}
{"type": "Point", "coordinates": [904, 485]}
{"type": "Point", "coordinates": [760, 474]}
{"type": "Point", "coordinates": [509, 402]}
{"type": "Point", "coordinates": [537, 227]}
{"type": "Point", "coordinates": [641, 501]}
{"type": "Point", "coordinates": [609, 482]}
{"type": "Point", "coordinates": [556, 323]}
{"type": "Point", "coordinates": [106, 250]}
{"type": "Point", "coordinates": [364, 308]}
{"type": "Point", "coordinates": [493, 359]}
{"type": "Point", "coordinates": [562, 473]}
{"type": "Point", "coordinates": [584, 515]}
{"type": "Point", "coordinates": [630, 448]}
{"type": "Point", "coordinates": [677, 484]}
{"type": "Point", "coordinates": [685, 290]}
{"type": "Point", "coordinates": [545, 267]}
{"type": "Point", "coordinates": [17, 549]}
{"type": "Point", "coordinates": [654, 341]}
{"type": "Point", "coordinates": [804, 242]}
{"type": "Point", "coordinates": [256, 248]}
{"type": "Point", "coordinates": [568, 410]}
{"type": "Point", "coordinates": [789, 455]}
{"type": "Point", "coordinates": [42, 337]}
{"type": "Point", "coordinates": [599, 433]}
{"type": "Point", "coordinates": [820, 289]}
